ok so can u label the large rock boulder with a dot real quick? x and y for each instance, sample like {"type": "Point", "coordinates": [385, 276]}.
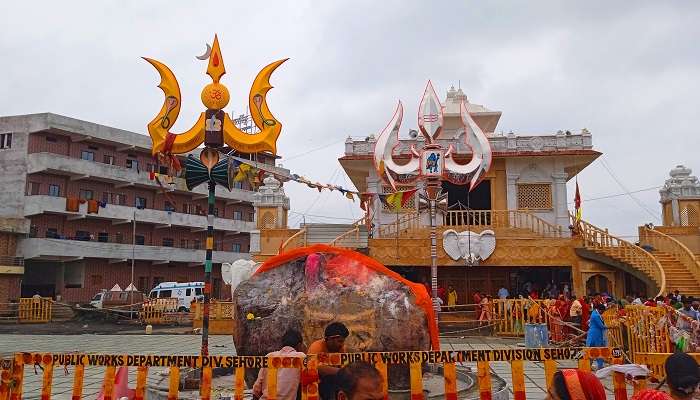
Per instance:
{"type": "Point", "coordinates": [309, 288]}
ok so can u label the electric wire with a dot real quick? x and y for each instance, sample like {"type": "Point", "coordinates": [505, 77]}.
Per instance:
{"type": "Point", "coordinates": [624, 188]}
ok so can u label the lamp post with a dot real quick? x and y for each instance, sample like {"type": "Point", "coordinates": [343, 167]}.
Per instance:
{"type": "Point", "coordinates": [133, 260]}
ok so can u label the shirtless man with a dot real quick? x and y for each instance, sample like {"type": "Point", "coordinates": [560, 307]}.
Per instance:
{"type": "Point", "coordinates": [332, 342]}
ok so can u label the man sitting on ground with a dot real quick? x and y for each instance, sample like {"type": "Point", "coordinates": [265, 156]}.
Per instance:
{"type": "Point", "coordinates": [287, 378]}
{"type": "Point", "coordinates": [359, 381]}
{"type": "Point", "coordinates": [333, 342]}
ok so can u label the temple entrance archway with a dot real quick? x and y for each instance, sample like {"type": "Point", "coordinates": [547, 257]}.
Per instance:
{"type": "Point", "coordinates": [598, 283]}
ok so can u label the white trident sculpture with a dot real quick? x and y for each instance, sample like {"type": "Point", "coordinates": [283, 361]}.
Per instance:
{"type": "Point", "coordinates": [433, 163]}
{"type": "Point", "coordinates": [433, 160]}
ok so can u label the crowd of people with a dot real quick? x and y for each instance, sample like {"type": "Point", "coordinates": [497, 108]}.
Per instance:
{"type": "Point", "coordinates": [362, 381]}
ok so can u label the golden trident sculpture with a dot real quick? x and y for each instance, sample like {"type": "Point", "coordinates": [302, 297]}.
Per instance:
{"type": "Point", "coordinates": [213, 128]}
{"type": "Point", "coordinates": [215, 97]}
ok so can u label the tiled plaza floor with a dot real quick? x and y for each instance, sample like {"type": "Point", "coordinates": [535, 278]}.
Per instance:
{"type": "Point", "coordinates": [219, 345]}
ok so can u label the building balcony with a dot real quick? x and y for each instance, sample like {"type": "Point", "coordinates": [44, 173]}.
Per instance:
{"type": "Point", "coordinates": [39, 204]}
{"type": "Point", "coordinates": [73, 250]}
{"type": "Point", "coordinates": [78, 169]}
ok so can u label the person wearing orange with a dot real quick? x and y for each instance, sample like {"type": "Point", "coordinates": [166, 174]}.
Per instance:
{"type": "Point", "coordinates": [333, 342]}
{"type": "Point", "coordinates": [573, 384]}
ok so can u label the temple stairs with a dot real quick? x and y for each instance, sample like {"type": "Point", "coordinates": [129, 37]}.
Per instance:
{"type": "Point", "coordinates": [680, 265]}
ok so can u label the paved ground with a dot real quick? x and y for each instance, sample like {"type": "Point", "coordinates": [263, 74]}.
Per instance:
{"type": "Point", "coordinates": [219, 345]}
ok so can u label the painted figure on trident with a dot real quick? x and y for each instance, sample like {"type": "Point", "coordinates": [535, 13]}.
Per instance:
{"type": "Point", "coordinates": [433, 163]}
{"type": "Point", "coordinates": [214, 128]}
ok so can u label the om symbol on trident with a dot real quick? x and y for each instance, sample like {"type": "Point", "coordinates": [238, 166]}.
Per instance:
{"type": "Point", "coordinates": [433, 159]}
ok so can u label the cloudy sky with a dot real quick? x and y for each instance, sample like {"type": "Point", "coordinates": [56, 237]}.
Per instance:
{"type": "Point", "coordinates": [627, 71]}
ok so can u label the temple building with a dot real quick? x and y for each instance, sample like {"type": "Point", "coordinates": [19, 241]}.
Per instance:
{"type": "Point", "coordinates": [523, 233]}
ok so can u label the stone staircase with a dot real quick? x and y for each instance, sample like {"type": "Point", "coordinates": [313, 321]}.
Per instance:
{"type": "Point", "coordinates": [599, 245]}
{"type": "Point", "coordinates": [680, 265]}
{"type": "Point", "coordinates": [678, 277]}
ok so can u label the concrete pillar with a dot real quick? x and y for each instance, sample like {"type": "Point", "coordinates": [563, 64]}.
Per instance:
{"type": "Point", "coordinates": [561, 212]}
{"type": "Point", "coordinates": [60, 278]}
{"type": "Point", "coordinates": [676, 212]}
{"type": "Point", "coordinates": [512, 190]}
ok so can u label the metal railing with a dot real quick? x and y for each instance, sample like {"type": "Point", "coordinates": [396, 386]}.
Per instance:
{"type": "Point", "coordinates": [667, 244]}
{"type": "Point", "coordinates": [403, 224]}
{"type": "Point", "coordinates": [351, 238]}
{"type": "Point", "coordinates": [11, 261]}
{"type": "Point", "coordinates": [601, 241]}
{"type": "Point", "coordinates": [523, 219]}
{"type": "Point", "coordinates": [296, 240]}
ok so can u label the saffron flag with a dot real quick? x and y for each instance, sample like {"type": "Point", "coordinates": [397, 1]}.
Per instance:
{"type": "Point", "coordinates": [577, 204]}
{"type": "Point", "coordinates": [396, 201]}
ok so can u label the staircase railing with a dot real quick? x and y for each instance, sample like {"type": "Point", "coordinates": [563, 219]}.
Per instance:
{"type": "Point", "coordinates": [600, 240]}
{"type": "Point", "coordinates": [502, 219]}
{"type": "Point", "coordinates": [296, 240]}
{"type": "Point", "coordinates": [402, 224]}
{"type": "Point", "coordinates": [354, 231]}
{"type": "Point", "coordinates": [667, 244]}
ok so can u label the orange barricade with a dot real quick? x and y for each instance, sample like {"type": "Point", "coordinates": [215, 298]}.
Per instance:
{"type": "Point", "coordinates": [158, 311]}
{"type": "Point", "coordinates": [13, 370]}
{"type": "Point", "coordinates": [513, 314]}
{"type": "Point", "coordinates": [35, 309]}
{"type": "Point", "coordinates": [220, 317]}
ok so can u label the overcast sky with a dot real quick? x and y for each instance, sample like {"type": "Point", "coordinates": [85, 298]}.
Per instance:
{"type": "Point", "coordinates": [627, 71]}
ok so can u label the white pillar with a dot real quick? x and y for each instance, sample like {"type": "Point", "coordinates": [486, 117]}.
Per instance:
{"type": "Point", "coordinates": [561, 212]}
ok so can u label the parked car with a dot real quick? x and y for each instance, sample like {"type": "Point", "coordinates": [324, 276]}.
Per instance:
{"type": "Point", "coordinates": [185, 293]}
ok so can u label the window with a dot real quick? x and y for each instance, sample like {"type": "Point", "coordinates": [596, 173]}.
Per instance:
{"type": "Point", "coordinates": [537, 196]}
{"type": "Point", "coordinates": [52, 233]}
{"type": "Point", "coordinates": [108, 159]}
{"type": "Point", "coordinates": [103, 237]}
{"type": "Point", "coordinates": [184, 243]}
{"type": "Point", "coordinates": [33, 188]}
{"type": "Point", "coordinates": [238, 185]}
{"type": "Point", "coordinates": [165, 293]}
{"type": "Point", "coordinates": [54, 190]}
{"type": "Point", "coordinates": [87, 155]}
{"type": "Point", "coordinates": [196, 244]}
{"type": "Point", "coordinates": [51, 139]}
{"type": "Point", "coordinates": [236, 248]}
{"type": "Point", "coordinates": [119, 237]}
{"type": "Point", "coordinates": [140, 240]}
{"type": "Point", "coordinates": [140, 202]}
{"type": "Point", "coordinates": [188, 292]}
{"type": "Point", "coordinates": [5, 141]}
{"type": "Point", "coordinates": [237, 215]}
{"type": "Point", "coordinates": [133, 164]}
{"type": "Point", "coordinates": [168, 242]}
{"type": "Point", "coordinates": [85, 194]}
{"type": "Point", "coordinates": [198, 291]}
{"type": "Point", "coordinates": [142, 284]}
{"type": "Point", "coordinates": [82, 235]}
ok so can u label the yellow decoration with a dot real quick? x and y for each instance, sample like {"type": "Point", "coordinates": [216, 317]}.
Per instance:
{"type": "Point", "coordinates": [215, 96]}
{"type": "Point", "coordinates": [250, 316]}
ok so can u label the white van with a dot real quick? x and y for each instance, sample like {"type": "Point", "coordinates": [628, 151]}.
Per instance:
{"type": "Point", "coordinates": [185, 293]}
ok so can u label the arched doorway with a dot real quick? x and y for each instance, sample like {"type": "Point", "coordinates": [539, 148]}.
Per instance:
{"type": "Point", "coordinates": [598, 284]}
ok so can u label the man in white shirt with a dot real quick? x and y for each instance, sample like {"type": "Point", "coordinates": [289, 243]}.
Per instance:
{"type": "Point", "coordinates": [287, 378]}
{"type": "Point", "coordinates": [575, 311]}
